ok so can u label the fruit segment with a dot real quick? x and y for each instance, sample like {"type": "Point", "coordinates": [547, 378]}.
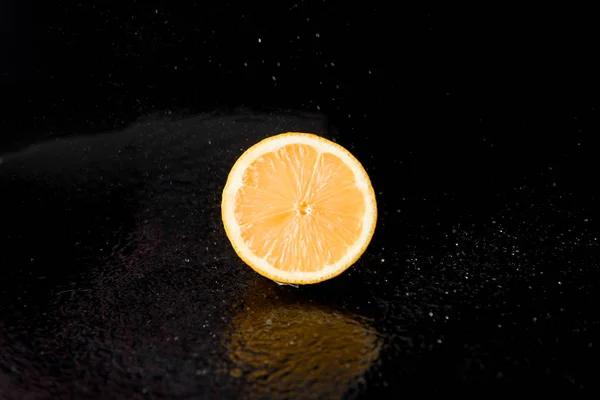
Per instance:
{"type": "Point", "coordinates": [299, 208]}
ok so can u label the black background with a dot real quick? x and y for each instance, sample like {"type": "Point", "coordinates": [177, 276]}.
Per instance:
{"type": "Point", "coordinates": [511, 91]}
{"type": "Point", "coordinates": [463, 117]}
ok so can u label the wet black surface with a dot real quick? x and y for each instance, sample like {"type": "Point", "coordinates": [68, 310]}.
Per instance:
{"type": "Point", "coordinates": [117, 279]}
{"type": "Point", "coordinates": [117, 276]}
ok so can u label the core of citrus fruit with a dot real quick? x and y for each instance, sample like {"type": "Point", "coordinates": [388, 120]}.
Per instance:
{"type": "Point", "coordinates": [298, 208]}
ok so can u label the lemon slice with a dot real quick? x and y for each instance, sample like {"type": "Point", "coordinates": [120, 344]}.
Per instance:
{"type": "Point", "coordinates": [298, 208]}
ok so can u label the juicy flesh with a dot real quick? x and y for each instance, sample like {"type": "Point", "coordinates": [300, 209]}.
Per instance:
{"type": "Point", "coordinates": [299, 208]}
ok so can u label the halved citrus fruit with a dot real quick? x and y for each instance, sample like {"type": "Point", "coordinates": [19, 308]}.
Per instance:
{"type": "Point", "coordinates": [298, 208]}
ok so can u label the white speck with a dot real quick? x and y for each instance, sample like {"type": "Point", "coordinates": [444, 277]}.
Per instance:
{"type": "Point", "coordinates": [201, 372]}
{"type": "Point", "coordinates": [209, 142]}
{"type": "Point", "coordinates": [439, 341]}
{"type": "Point", "coordinates": [369, 72]}
{"type": "Point", "coordinates": [383, 260]}
{"type": "Point", "coordinates": [273, 78]}
{"type": "Point", "coordinates": [245, 64]}
{"type": "Point", "coordinates": [534, 319]}
{"type": "Point", "coordinates": [318, 108]}
{"type": "Point", "coordinates": [156, 11]}
{"type": "Point", "coordinates": [430, 314]}
{"type": "Point", "coordinates": [333, 64]}
{"type": "Point", "coordinates": [175, 67]}
{"type": "Point", "coordinates": [317, 34]}
{"type": "Point", "coordinates": [559, 282]}
{"type": "Point", "coordinates": [176, 338]}
{"type": "Point", "coordinates": [499, 325]}
{"type": "Point", "coordinates": [187, 260]}
{"type": "Point", "coordinates": [285, 284]}
{"type": "Point", "coordinates": [259, 40]}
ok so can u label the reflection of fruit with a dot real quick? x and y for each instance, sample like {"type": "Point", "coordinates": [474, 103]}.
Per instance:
{"type": "Point", "coordinates": [298, 208]}
{"type": "Point", "coordinates": [298, 349]}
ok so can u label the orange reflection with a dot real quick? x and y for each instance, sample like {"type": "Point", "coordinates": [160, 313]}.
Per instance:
{"type": "Point", "coordinates": [282, 346]}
